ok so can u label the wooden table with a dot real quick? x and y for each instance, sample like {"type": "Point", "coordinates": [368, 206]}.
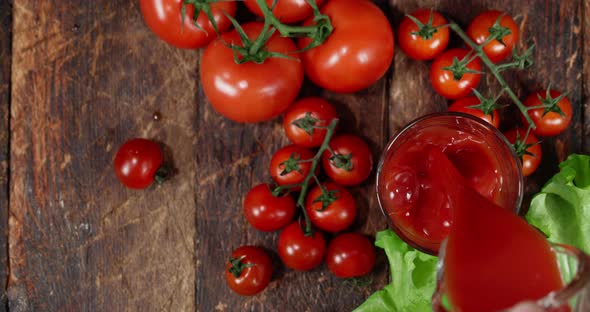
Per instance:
{"type": "Point", "coordinates": [78, 78]}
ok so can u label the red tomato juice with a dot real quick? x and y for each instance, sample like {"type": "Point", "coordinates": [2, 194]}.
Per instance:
{"type": "Point", "coordinates": [493, 258]}
{"type": "Point", "coordinates": [416, 204]}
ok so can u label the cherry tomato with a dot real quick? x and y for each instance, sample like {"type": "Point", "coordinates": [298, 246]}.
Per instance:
{"type": "Point", "coordinates": [164, 18]}
{"type": "Point", "coordinates": [266, 212]}
{"type": "Point", "coordinates": [287, 11]}
{"type": "Point", "coordinates": [414, 45]}
{"type": "Point", "coordinates": [531, 160]}
{"type": "Point", "coordinates": [301, 117]}
{"type": "Point", "coordinates": [285, 168]}
{"type": "Point", "coordinates": [479, 31]}
{"type": "Point", "coordinates": [250, 92]}
{"type": "Point", "coordinates": [356, 54]}
{"type": "Point", "coordinates": [300, 252]}
{"type": "Point", "coordinates": [552, 123]}
{"type": "Point", "coordinates": [352, 163]}
{"type": "Point", "coordinates": [462, 106]}
{"type": "Point", "coordinates": [137, 162]}
{"type": "Point", "coordinates": [248, 271]}
{"type": "Point", "coordinates": [443, 81]}
{"type": "Point", "coordinates": [331, 211]}
{"type": "Point", "coordinates": [350, 255]}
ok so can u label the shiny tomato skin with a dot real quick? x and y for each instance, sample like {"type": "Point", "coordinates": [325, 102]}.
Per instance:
{"type": "Point", "coordinates": [319, 109]}
{"type": "Point", "coordinates": [362, 160]}
{"type": "Point", "coordinates": [266, 212]}
{"type": "Point", "coordinates": [300, 252]}
{"type": "Point", "coordinates": [293, 177]}
{"type": "Point", "coordinates": [338, 216]}
{"type": "Point", "coordinates": [164, 18]}
{"type": "Point", "coordinates": [137, 161]}
{"type": "Point", "coordinates": [287, 11]}
{"type": "Point", "coordinates": [350, 255]}
{"type": "Point", "coordinates": [356, 54]}
{"type": "Point", "coordinates": [250, 92]}
{"type": "Point", "coordinates": [478, 31]}
{"type": "Point", "coordinates": [413, 45]}
{"type": "Point", "coordinates": [462, 106]}
{"type": "Point", "coordinates": [530, 163]}
{"type": "Point", "coordinates": [443, 81]}
{"type": "Point", "coordinates": [253, 279]}
{"type": "Point", "coordinates": [552, 123]}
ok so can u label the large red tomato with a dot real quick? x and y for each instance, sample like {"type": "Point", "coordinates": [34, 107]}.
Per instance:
{"type": "Point", "coordinates": [357, 53]}
{"type": "Point", "coordinates": [287, 11]}
{"type": "Point", "coordinates": [250, 92]}
{"type": "Point", "coordinates": [164, 18]}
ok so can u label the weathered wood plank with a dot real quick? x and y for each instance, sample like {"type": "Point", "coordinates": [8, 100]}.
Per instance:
{"type": "Point", "coordinates": [586, 75]}
{"type": "Point", "coordinates": [88, 76]}
{"type": "Point", "coordinates": [553, 26]}
{"type": "Point", "coordinates": [5, 64]}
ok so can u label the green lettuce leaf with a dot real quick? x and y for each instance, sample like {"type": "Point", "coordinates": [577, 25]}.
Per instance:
{"type": "Point", "coordinates": [562, 209]}
{"type": "Point", "coordinates": [413, 278]}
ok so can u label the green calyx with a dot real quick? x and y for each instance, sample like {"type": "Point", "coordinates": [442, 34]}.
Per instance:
{"type": "Point", "coordinates": [306, 123]}
{"type": "Point", "coordinates": [342, 161]}
{"type": "Point", "coordinates": [521, 147]}
{"type": "Point", "coordinates": [498, 32]}
{"type": "Point", "coordinates": [291, 164]}
{"type": "Point", "coordinates": [162, 174]}
{"type": "Point", "coordinates": [551, 104]}
{"type": "Point", "coordinates": [237, 266]}
{"type": "Point", "coordinates": [486, 105]}
{"type": "Point", "coordinates": [425, 31]}
{"type": "Point", "coordinates": [327, 197]}
{"type": "Point", "coordinates": [459, 67]}
{"type": "Point", "coordinates": [200, 6]}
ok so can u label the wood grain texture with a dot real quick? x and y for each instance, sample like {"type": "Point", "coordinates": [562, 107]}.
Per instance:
{"type": "Point", "coordinates": [87, 77]}
{"type": "Point", "coordinates": [555, 29]}
{"type": "Point", "coordinates": [586, 75]}
{"type": "Point", "coordinates": [5, 65]}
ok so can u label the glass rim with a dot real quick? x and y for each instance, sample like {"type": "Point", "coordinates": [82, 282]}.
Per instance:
{"type": "Point", "coordinates": [517, 209]}
{"type": "Point", "coordinates": [554, 299]}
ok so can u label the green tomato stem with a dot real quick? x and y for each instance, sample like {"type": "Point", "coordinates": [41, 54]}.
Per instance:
{"type": "Point", "coordinates": [494, 69]}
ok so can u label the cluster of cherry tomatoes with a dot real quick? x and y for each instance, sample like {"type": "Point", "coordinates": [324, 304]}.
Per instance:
{"type": "Point", "coordinates": [455, 73]}
{"type": "Point", "coordinates": [346, 160]}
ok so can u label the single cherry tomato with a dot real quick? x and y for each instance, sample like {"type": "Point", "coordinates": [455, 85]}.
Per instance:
{"type": "Point", "coordinates": [287, 11]}
{"type": "Point", "coordinates": [248, 270]}
{"type": "Point", "coordinates": [553, 120]}
{"type": "Point", "coordinates": [137, 163]}
{"type": "Point", "coordinates": [302, 118]}
{"type": "Point", "coordinates": [300, 252]}
{"type": "Point", "coordinates": [331, 207]}
{"type": "Point", "coordinates": [528, 150]}
{"type": "Point", "coordinates": [351, 162]}
{"type": "Point", "coordinates": [427, 43]}
{"type": "Point", "coordinates": [164, 18]}
{"type": "Point", "coordinates": [357, 53]}
{"type": "Point", "coordinates": [267, 212]}
{"type": "Point", "coordinates": [463, 106]}
{"type": "Point", "coordinates": [479, 31]}
{"type": "Point", "coordinates": [290, 165]}
{"type": "Point", "coordinates": [350, 255]}
{"type": "Point", "coordinates": [250, 92]}
{"type": "Point", "coordinates": [444, 81]}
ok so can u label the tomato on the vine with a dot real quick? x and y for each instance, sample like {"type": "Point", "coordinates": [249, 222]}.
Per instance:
{"type": "Point", "coordinates": [303, 119]}
{"type": "Point", "coordinates": [464, 105]}
{"type": "Point", "coordinates": [287, 11]}
{"type": "Point", "coordinates": [350, 255]}
{"type": "Point", "coordinates": [348, 161]}
{"type": "Point", "coordinates": [266, 211]}
{"type": "Point", "coordinates": [454, 85]}
{"type": "Point", "coordinates": [290, 165]}
{"type": "Point", "coordinates": [552, 119]}
{"type": "Point", "coordinates": [479, 31]}
{"type": "Point", "coordinates": [356, 54]}
{"type": "Point", "coordinates": [250, 92]}
{"type": "Point", "coordinates": [331, 207]}
{"type": "Point", "coordinates": [249, 270]}
{"type": "Point", "coordinates": [137, 163]}
{"type": "Point", "coordinates": [423, 43]}
{"type": "Point", "coordinates": [528, 150]}
{"type": "Point", "coordinates": [300, 252]}
{"type": "Point", "coordinates": [164, 18]}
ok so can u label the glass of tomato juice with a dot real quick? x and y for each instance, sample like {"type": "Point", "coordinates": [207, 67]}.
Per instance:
{"type": "Point", "coordinates": [416, 207]}
{"type": "Point", "coordinates": [574, 296]}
